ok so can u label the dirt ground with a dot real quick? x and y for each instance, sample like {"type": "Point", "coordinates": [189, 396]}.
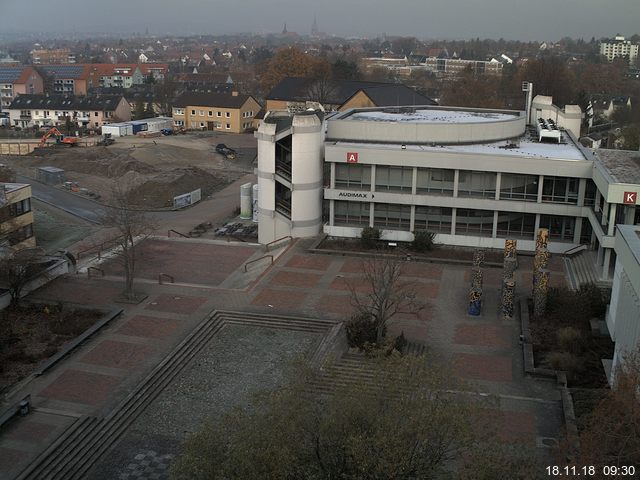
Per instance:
{"type": "Point", "coordinates": [158, 169]}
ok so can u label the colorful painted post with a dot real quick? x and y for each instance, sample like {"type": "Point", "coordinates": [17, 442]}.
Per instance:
{"type": "Point", "coordinates": [510, 248]}
{"type": "Point", "coordinates": [540, 293]}
{"type": "Point", "coordinates": [478, 258]}
{"type": "Point", "coordinates": [542, 239]}
{"type": "Point", "coordinates": [508, 293]}
{"type": "Point", "coordinates": [476, 279]}
{"type": "Point", "coordinates": [475, 302]}
{"type": "Point", "coordinates": [510, 265]}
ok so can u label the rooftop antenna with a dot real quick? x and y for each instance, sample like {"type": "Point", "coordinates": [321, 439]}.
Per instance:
{"type": "Point", "coordinates": [528, 88]}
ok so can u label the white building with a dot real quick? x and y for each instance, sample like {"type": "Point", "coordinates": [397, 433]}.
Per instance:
{"type": "Point", "coordinates": [619, 47]}
{"type": "Point", "coordinates": [475, 177]}
{"type": "Point", "coordinates": [623, 315]}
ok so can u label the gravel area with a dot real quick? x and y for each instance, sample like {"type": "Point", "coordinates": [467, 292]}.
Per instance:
{"type": "Point", "coordinates": [237, 362]}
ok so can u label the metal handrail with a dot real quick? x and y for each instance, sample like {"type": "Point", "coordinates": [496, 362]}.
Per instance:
{"type": "Point", "coordinates": [575, 249]}
{"type": "Point", "coordinates": [175, 231]}
{"type": "Point", "coordinates": [257, 259]}
{"type": "Point", "coordinates": [96, 269]}
{"type": "Point", "coordinates": [170, 277]}
{"type": "Point", "coordinates": [276, 241]}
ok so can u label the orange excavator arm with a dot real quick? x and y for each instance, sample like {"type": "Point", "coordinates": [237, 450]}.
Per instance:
{"type": "Point", "coordinates": [58, 134]}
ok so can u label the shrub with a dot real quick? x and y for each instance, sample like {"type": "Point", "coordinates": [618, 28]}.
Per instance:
{"type": "Point", "coordinates": [566, 361]}
{"type": "Point", "coordinates": [594, 300]}
{"type": "Point", "coordinates": [422, 241]}
{"type": "Point", "coordinates": [369, 237]}
{"type": "Point", "coordinates": [360, 330]}
{"type": "Point", "coordinates": [569, 339]}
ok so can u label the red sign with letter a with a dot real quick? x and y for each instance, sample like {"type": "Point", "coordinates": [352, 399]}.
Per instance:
{"type": "Point", "coordinates": [630, 198]}
{"type": "Point", "coordinates": [352, 157]}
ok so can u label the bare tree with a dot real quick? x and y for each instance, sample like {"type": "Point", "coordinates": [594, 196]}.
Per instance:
{"type": "Point", "coordinates": [132, 225]}
{"type": "Point", "coordinates": [386, 293]}
{"type": "Point", "coordinates": [321, 91]}
{"type": "Point", "coordinates": [18, 268]}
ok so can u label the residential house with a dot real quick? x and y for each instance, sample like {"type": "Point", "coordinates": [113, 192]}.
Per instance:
{"type": "Point", "coordinates": [233, 113]}
{"type": "Point", "coordinates": [296, 94]}
{"type": "Point", "coordinates": [56, 55]}
{"type": "Point", "coordinates": [605, 105]}
{"type": "Point", "coordinates": [16, 81]}
{"type": "Point", "coordinates": [619, 47]}
{"type": "Point", "coordinates": [16, 217]}
{"type": "Point", "coordinates": [65, 79]}
{"type": "Point", "coordinates": [89, 112]}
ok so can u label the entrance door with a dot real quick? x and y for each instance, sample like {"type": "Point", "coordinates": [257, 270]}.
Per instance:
{"type": "Point", "coordinates": [210, 125]}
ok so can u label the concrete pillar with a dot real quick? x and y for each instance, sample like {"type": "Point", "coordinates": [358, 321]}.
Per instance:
{"type": "Point", "coordinates": [498, 184]}
{"type": "Point", "coordinates": [494, 232]}
{"type": "Point", "coordinates": [333, 178]}
{"type": "Point", "coordinates": [596, 205]}
{"type": "Point", "coordinates": [577, 232]}
{"type": "Point", "coordinates": [456, 181]}
{"type": "Point", "coordinates": [412, 221]}
{"type": "Point", "coordinates": [371, 213]}
{"type": "Point", "coordinates": [605, 264]}
{"type": "Point", "coordinates": [582, 189]}
{"type": "Point", "coordinates": [332, 212]}
{"type": "Point", "coordinates": [453, 221]}
{"type": "Point", "coordinates": [629, 214]}
{"type": "Point", "coordinates": [612, 218]}
{"type": "Point", "coordinates": [536, 226]}
{"type": "Point", "coordinates": [414, 181]}
{"type": "Point", "coordinates": [605, 213]}
{"type": "Point", "coordinates": [540, 184]}
{"type": "Point", "coordinates": [373, 178]}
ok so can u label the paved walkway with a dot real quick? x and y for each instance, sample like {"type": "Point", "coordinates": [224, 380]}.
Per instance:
{"type": "Point", "coordinates": [96, 377]}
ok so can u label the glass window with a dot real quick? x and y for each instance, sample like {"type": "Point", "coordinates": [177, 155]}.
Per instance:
{"type": "Point", "coordinates": [392, 216]}
{"type": "Point", "coordinates": [474, 222]}
{"type": "Point", "coordinates": [433, 219]}
{"type": "Point", "coordinates": [476, 184]}
{"type": "Point", "coordinates": [560, 190]}
{"type": "Point", "coordinates": [435, 180]}
{"type": "Point", "coordinates": [516, 225]}
{"type": "Point", "coordinates": [228, 126]}
{"type": "Point", "coordinates": [351, 175]}
{"type": "Point", "coordinates": [351, 213]}
{"type": "Point", "coordinates": [227, 114]}
{"type": "Point", "coordinates": [560, 227]}
{"type": "Point", "coordinates": [519, 187]}
{"type": "Point", "coordinates": [394, 179]}
{"type": "Point", "coordinates": [590, 193]}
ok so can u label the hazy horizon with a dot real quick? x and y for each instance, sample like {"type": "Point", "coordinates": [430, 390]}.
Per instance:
{"type": "Point", "coordinates": [544, 20]}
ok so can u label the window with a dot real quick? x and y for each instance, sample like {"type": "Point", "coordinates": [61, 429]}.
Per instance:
{"type": "Point", "coordinates": [433, 219]}
{"type": "Point", "coordinates": [519, 187]}
{"type": "Point", "coordinates": [435, 180]}
{"type": "Point", "coordinates": [590, 193]}
{"type": "Point", "coordinates": [20, 235]}
{"type": "Point", "coordinates": [227, 114]}
{"type": "Point", "coordinates": [179, 123]}
{"type": "Point", "coordinates": [219, 114]}
{"type": "Point", "coordinates": [392, 216]}
{"type": "Point", "coordinates": [516, 225]}
{"type": "Point", "coordinates": [95, 114]}
{"type": "Point", "coordinates": [560, 227]}
{"type": "Point", "coordinates": [193, 112]}
{"type": "Point", "coordinates": [210, 113]}
{"type": "Point", "coordinates": [394, 179]}
{"type": "Point", "coordinates": [179, 111]}
{"type": "Point", "coordinates": [228, 126]}
{"type": "Point", "coordinates": [351, 213]}
{"type": "Point", "coordinates": [46, 113]}
{"type": "Point", "coordinates": [350, 175]}
{"type": "Point", "coordinates": [476, 184]}
{"type": "Point", "coordinates": [560, 190]}
{"type": "Point", "coordinates": [201, 112]}
{"type": "Point", "coordinates": [202, 125]}
{"type": "Point", "coordinates": [474, 222]}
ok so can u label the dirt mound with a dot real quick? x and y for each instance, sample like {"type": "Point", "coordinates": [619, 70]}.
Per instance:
{"type": "Point", "coordinates": [159, 191]}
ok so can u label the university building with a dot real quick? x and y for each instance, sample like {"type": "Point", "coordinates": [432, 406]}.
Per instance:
{"type": "Point", "coordinates": [475, 177]}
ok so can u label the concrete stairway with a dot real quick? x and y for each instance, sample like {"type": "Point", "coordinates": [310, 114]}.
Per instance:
{"type": "Point", "coordinates": [581, 270]}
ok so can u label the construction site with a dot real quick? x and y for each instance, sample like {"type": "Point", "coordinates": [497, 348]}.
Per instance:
{"type": "Point", "coordinates": [156, 169]}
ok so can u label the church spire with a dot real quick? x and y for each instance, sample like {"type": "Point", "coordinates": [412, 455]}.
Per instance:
{"type": "Point", "coordinates": [284, 30]}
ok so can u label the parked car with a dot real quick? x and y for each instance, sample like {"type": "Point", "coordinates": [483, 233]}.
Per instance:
{"type": "Point", "coordinates": [222, 149]}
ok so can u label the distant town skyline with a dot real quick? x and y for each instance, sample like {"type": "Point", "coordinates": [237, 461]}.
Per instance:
{"type": "Point", "coordinates": [526, 20]}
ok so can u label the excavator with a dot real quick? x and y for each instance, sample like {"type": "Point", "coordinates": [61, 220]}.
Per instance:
{"type": "Point", "coordinates": [60, 138]}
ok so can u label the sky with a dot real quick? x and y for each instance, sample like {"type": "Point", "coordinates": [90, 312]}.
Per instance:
{"type": "Point", "coordinates": [527, 20]}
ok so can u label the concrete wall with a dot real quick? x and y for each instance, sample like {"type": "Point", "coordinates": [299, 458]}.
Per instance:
{"type": "Point", "coordinates": [570, 118]}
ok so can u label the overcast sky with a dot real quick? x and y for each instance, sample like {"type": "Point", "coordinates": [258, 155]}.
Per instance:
{"type": "Point", "coordinates": [426, 19]}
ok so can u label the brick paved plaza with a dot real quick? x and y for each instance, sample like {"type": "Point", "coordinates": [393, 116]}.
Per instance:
{"type": "Point", "coordinates": [241, 359]}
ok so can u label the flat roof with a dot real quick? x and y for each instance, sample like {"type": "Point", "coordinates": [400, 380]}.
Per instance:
{"type": "Point", "coordinates": [523, 147]}
{"type": "Point", "coordinates": [631, 235]}
{"type": "Point", "coordinates": [622, 165]}
{"type": "Point", "coordinates": [12, 187]}
{"type": "Point", "coordinates": [434, 116]}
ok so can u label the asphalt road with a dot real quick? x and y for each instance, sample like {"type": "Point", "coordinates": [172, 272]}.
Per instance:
{"type": "Point", "coordinates": [67, 201]}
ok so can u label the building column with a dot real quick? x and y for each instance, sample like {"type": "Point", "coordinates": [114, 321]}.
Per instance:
{"type": "Point", "coordinates": [605, 212]}
{"type": "Point", "coordinates": [536, 226]}
{"type": "Point", "coordinates": [373, 178]}
{"type": "Point", "coordinates": [414, 182]}
{"type": "Point", "coordinates": [412, 221]}
{"type": "Point", "coordinates": [371, 213]}
{"type": "Point", "coordinates": [498, 184]}
{"type": "Point", "coordinates": [332, 181]}
{"type": "Point", "coordinates": [453, 220]}
{"type": "Point", "coordinates": [605, 266]}
{"type": "Point", "coordinates": [629, 214]}
{"type": "Point", "coordinates": [596, 202]}
{"type": "Point", "coordinates": [582, 190]}
{"type": "Point", "coordinates": [456, 180]}
{"type": "Point", "coordinates": [577, 230]}
{"type": "Point", "coordinates": [332, 211]}
{"type": "Point", "coordinates": [540, 185]}
{"type": "Point", "coordinates": [494, 231]}
{"type": "Point", "coordinates": [612, 218]}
